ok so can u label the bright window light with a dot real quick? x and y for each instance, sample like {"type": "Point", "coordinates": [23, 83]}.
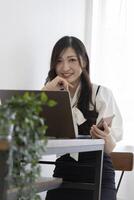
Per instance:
{"type": "Point", "coordinates": [112, 55]}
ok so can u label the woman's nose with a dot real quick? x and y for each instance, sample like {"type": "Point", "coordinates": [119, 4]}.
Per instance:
{"type": "Point", "coordinates": [66, 66]}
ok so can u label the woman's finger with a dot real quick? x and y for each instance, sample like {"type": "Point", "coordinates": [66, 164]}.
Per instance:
{"type": "Point", "coordinates": [97, 133]}
{"type": "Point", "coordinates": [63, 83]}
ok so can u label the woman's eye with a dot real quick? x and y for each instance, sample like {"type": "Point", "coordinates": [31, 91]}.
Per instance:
{"type": "Point", "coordinates": [59, 61]}
{"type": "Point", "coordinates": [72, 60]}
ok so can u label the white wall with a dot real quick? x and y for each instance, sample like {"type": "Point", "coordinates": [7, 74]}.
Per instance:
{"type": "Point", "coordinates": [28, 31]}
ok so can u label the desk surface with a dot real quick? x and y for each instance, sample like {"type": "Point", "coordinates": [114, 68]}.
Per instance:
{"type": "Point", "coordinates": [73, 146]}
{"type": "Point", "coordinates": [61, 147]}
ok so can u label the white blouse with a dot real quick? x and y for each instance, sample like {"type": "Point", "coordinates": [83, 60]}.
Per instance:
{"type": "Point", "coordinates": [105, 106]}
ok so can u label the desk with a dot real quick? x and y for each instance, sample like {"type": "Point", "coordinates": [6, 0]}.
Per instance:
{"type": "Point", "coordinates": [80, 145]}
{"type": "Point", "coordinates": [73, 146]}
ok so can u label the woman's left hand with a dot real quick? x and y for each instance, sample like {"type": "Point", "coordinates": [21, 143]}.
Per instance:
{"type": "Point", "coordinates": [96, 133]}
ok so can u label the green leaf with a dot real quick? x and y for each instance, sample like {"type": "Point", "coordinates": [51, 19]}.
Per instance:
{"type": "Point", "coordinates": [51, 103]}
{"type": "Point", "coordinates": [44, 97]}
{"type": "Point", "coordinates": [21, 116]}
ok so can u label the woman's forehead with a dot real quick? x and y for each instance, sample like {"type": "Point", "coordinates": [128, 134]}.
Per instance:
{"type": "Point", "coordinates": [68, 52]}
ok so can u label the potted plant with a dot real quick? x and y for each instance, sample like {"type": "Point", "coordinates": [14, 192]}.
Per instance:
{"type": "Point", "coordinates": [20, 120]}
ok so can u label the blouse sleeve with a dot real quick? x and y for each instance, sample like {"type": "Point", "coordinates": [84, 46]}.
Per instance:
{"type": "Point", "coordinates": [106, 106]}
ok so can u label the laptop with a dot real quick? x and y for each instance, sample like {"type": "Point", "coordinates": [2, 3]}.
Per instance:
{"type": "Point", "coordinates": [58, 118]}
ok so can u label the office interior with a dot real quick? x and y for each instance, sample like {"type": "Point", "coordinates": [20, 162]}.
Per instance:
{"type": "Point", "coordinates": [30, 28]}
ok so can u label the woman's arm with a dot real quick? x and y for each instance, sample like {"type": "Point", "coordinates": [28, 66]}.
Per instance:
{"type": "Point", "coordinates": [106, 106]}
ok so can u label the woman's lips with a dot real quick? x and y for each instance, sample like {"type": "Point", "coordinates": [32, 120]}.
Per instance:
{"type": "Point", "coordinates": [66, 75]}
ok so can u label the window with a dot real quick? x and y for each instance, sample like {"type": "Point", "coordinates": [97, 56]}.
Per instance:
{"type": "Point", "coordinates": [112, 54]}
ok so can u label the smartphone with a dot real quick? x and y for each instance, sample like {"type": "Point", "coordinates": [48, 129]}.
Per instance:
{"type": "Point", "coordinates": [108, 120]}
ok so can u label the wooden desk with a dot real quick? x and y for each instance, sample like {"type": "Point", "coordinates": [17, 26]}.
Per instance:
{"type": "Point", "coordinates": [73, 146]}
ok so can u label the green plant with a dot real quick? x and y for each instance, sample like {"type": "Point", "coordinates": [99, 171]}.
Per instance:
{"type": "Point", "coordinates": [20, 118]}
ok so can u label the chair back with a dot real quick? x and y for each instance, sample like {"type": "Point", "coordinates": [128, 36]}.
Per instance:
{"type": "Point", "coordinates": [123, 161]}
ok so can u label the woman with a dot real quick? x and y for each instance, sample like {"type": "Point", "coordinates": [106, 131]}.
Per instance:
{"type": "Point", "coordinates": [69, 70]}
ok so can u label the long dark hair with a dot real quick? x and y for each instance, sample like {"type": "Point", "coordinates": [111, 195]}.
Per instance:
{"type": "Point", "coordinates": [86, 87]}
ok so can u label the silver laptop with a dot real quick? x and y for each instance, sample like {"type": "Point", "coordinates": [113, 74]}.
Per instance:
{"type": "Point", "coordinates": [58, 118]}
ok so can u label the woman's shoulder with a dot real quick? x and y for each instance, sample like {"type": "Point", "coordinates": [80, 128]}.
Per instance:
{"type": "Point", "coordinates": [100, 90]}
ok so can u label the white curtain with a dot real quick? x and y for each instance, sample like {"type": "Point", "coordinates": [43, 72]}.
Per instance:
{"type": "Point", "coordinates": [112, 55]}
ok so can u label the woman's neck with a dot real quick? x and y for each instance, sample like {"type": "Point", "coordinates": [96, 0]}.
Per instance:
{"type": "Point", "coordinates": [73, 89]}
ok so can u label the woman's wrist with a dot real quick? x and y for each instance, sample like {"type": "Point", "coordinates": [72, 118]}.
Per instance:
{"type": "Point", "coordinates": [109, 144]}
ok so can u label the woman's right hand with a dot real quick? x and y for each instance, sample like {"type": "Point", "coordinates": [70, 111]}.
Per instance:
{"type": "Point", "coordinates": [57, 83]}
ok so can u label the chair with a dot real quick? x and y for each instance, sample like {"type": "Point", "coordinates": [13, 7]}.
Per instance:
{"type": "Point", "coordinates": [122, 161]}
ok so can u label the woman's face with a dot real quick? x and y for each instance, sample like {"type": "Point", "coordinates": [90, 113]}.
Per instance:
{"type": "Point", "coordinates": [68, 66]}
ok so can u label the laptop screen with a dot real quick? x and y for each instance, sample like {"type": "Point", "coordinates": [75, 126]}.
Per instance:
{"type": "Point", "coordinates": [58, 118]}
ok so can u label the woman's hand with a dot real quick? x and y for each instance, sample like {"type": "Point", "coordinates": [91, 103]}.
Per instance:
{"type": "Point", "coordinates": [96, 133]}
{"type": "Point", "coordinates": [57, 83]}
